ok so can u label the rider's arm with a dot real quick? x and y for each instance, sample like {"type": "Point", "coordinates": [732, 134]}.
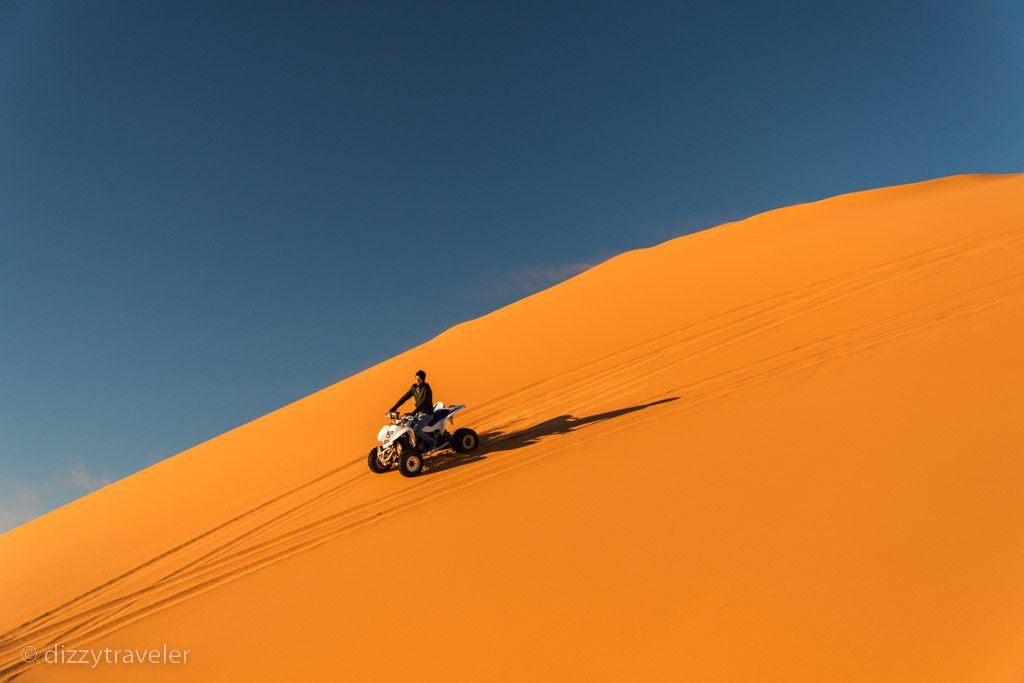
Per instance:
{"type": "Point", "coordinates": [405, 397]}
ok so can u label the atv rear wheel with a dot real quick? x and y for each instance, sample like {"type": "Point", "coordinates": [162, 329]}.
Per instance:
{"type": "Point", "coordinates": [410, 464]}
{"type": "Point", "coordinates": [465, 440]}
{"type": "Point", "coordinates": [374, 462]}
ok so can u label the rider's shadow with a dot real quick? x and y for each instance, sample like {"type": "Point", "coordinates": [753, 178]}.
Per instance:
{"type": "Point", "coordinates": [496, 441]}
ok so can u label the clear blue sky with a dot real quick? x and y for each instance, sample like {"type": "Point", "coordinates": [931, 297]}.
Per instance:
{"type": "Point", "coordinates": [209, 210]}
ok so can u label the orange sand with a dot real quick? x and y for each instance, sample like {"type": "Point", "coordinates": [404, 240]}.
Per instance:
{"type": "Point", "coordinates": [784, 449]}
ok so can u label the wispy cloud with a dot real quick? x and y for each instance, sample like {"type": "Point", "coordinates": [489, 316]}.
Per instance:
{"type": "Point", "coordinates": [535, 278]}
{"type": "Point", "coordinates": [22, 501]}
{"type": "Point", "coordinates": [77, 477]}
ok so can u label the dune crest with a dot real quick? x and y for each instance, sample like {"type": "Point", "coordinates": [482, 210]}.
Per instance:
{"type": "Point", "coordinates": [787, 448]}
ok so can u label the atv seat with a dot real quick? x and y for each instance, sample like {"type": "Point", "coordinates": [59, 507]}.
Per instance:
{"type": "Point", "coordinates": [438, 416]}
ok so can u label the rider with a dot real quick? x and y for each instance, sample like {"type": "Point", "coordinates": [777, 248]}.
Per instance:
{"type": "Point", "coordinates": [423, 412]}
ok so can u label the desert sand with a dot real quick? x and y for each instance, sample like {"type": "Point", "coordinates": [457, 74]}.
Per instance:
{"type": "Point", "coordinates": [787, 448]}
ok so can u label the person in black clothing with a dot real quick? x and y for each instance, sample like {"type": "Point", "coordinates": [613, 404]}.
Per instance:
{"type": "Point", "coordinates": [424, 409]}
{"type": "Point", "coordinates": [421, 392]}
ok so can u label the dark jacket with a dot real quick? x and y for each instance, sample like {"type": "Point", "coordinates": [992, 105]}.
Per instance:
{"type": "Point", "coordinates": [422, 395]}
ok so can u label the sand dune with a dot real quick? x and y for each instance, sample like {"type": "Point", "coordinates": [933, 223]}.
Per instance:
{"type": "Point", "coordinates": [787, 448]}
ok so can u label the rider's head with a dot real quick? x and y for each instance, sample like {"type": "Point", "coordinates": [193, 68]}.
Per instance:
{"type": "Point", "coordinates": [421, 377]}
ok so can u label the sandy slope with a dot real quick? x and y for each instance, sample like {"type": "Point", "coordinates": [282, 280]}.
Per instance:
{"type": "Point", "coordinates": [787, 448]}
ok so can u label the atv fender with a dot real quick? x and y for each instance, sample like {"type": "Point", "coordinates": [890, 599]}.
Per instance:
{"type": "Point", "coordinates": [397, 434]}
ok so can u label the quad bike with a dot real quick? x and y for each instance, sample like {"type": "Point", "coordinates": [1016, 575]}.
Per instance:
{"type": "Point", "coordinates": [399, 445]}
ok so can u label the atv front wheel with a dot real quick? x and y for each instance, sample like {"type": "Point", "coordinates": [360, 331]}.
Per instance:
{"type": "Point", "coordinates": [410, 464]}
{"type": "Point", "coordinates": [373, 460]}
{"type": "Point", "coordinates": [465, 440]}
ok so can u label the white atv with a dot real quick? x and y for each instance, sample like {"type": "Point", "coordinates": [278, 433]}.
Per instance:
{"type": "Point", "coordinates": [399, 445]}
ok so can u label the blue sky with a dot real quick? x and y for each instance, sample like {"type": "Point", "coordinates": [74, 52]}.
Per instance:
{"type": "Point", "coordinates": [209, 210]}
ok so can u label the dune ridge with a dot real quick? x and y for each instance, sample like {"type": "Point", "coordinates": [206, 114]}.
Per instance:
{"type": "Point", "coordinates": [840, 378]}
